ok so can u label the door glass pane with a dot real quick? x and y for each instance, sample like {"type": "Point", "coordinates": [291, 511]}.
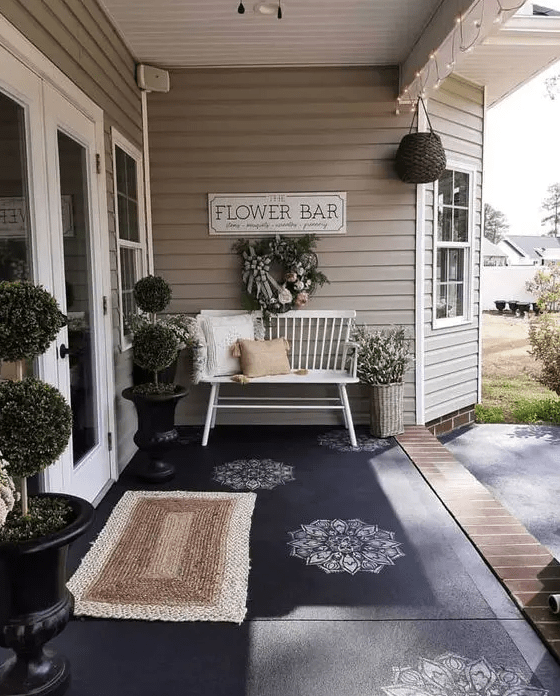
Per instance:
{"type": "Point", "coordinates": [15, 230]}
{"type": "Point", "coordinates": [78, 276]}
{"type": "Point", "coordinates": [14, 201]}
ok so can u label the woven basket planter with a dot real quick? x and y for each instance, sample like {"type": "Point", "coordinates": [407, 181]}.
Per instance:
{"type": "Point", "coordinates": [386, 409]}
{"type": "Point", "coordinates": [420, 157]}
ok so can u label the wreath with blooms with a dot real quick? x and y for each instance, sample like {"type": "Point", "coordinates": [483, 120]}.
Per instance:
{"type": "Point", "coordinates": [279, 273]}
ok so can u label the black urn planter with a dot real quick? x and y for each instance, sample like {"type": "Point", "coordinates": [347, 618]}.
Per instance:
{"type": "Point", "coordinates": [500, 305]}
{"type": "Point", "coordinates": [35, 607]}
{"type": "Point", "coordinates": [156, 430]}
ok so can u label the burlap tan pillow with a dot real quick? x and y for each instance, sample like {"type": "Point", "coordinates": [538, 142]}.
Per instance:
{"type": "Point", "coordinates": [261, 358]}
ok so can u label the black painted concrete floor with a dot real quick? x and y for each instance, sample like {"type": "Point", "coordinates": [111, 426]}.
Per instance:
{"type": "Point", "coordinates": [432, 621]}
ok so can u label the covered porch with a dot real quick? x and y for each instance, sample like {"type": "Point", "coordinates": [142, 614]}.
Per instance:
{"type": "Point", "coordinates": [434, 620]}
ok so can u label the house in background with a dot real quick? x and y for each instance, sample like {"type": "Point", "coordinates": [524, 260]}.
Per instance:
{"type": "Point", "coordinates": [492, 254]}
{"type": "Point", "coordinates": [104, 182]}
{"type": "Point", "coordinates": [530, 250]}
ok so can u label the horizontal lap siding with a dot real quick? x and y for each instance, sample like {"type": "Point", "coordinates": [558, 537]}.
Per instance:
{"type": "Point", "coordinates": [452, 354]}
{"type": "Point", "coordinates": [229, 131]}
{"type": "Point", "coordinates": [79, 39]}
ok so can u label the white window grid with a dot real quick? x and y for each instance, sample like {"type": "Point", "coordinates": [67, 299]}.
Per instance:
{"type": "Point", "coordinates": [131, 255]}
{"type": "Point", "coordinates": [466, 246]}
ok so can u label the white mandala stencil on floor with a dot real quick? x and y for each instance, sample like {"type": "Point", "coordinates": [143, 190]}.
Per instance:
{"type": "Point", "coordinates": [348, 546]}
{"type": "Point", "coordinates": [340, 441]}
{"type": "Point", "coordinates": [250, 474]}
{"type": "Point", "coordinates": [452, 675]}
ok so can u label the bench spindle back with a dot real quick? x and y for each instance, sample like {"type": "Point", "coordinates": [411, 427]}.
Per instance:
{"type": "Point", "coordinates": [317, 339]}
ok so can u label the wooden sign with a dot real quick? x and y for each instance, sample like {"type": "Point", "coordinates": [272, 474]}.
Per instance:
{"type": "Point", "coordinates": [259, 214]}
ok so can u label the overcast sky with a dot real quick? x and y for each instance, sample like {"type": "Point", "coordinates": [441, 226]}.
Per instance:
{"type": "Point", "coordinates": [523, 152]}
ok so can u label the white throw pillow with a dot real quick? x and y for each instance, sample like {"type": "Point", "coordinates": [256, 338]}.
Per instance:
{"type": "Point", "coordinates": [221, 333]}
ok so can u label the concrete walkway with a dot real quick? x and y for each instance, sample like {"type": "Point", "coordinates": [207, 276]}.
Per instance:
{"type": "Point", "coordinates": [501, 483]}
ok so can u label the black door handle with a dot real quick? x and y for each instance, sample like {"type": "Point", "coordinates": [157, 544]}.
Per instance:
{"type": "Point", "coordinates": [64, 351]}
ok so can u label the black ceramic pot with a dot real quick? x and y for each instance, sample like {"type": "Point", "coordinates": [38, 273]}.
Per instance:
{"type": "Point", "coordinates": [156, 431]}
{"type": "Point", "coordinates": [500, 305]}
{"type": "Point", "coordinates": [35, 607]}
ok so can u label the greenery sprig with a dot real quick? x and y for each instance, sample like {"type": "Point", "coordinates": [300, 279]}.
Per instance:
{"type": "Point", "coordinates": [383, 355]}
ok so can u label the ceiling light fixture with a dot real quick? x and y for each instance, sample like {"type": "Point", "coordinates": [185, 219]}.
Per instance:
{"type": "Point", "coordinates": [266, 7]}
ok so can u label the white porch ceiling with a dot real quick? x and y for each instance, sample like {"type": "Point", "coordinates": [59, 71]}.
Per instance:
{"type": "Point", "coordinates": [211, 33]}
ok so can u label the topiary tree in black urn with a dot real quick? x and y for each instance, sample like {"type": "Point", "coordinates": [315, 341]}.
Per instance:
{"type": "Point", "coordinates": [155, 347]}
{"type": "Point", "coordinates": [35, 427]}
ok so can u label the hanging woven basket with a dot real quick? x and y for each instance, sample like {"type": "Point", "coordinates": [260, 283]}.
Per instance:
{"type": "Point", "coordinates": [420, 157]}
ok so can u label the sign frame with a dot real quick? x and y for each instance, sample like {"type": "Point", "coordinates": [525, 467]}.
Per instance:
{"type": "Point", "coordinates": [287, 213]}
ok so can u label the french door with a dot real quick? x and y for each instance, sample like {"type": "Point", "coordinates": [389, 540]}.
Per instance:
{"type": "Point", "coordinates": [51, 232]}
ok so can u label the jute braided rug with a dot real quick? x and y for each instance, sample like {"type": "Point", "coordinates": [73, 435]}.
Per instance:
{"type": "Point", "coordinates": [171, 556]}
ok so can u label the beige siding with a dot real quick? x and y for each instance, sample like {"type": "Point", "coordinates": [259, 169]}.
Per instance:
{"type": "Point", "coordinates": [452, 353]}
{"type": "Point", "coordinates": [226, 131]}
{"type": "Point", "coordinates": [78, 38]}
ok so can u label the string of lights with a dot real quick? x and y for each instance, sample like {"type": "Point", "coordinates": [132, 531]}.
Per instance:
{"type": "Point", "coordinates": [466, 33]}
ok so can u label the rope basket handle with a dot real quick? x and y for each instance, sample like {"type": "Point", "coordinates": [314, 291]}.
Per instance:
{"type": "Point", "coordinates": [416, 115]}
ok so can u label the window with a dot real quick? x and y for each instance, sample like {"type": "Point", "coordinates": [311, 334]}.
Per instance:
{"type": "Point", "coordinates": [452, 257]}
{"type": "Point", "coordinates": [131, 238]}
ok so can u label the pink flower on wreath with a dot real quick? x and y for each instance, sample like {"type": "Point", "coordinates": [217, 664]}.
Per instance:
{"type": "Point", "coordinates": [302, 299]}
{"type": "Point", "coordinates": [291, 277]}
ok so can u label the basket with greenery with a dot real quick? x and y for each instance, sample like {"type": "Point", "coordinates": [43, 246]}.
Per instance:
{"type": "Point", "coordinates": [384, 355]}
{"type": "Point", "coordinates": [35, 419]}
{"type": "Point", "coordinates": [157, 340]}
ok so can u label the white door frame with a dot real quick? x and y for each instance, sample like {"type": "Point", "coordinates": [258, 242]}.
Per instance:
{"type": "Point", "coordinates": [24, 51]}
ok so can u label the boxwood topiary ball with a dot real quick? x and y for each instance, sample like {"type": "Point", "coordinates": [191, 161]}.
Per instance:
{"type": "Point", "coordinates": [29, 320]}
{"type": "Point", "coordinates": [154, 348]}
{"type": "Point", "coordinates": [152, 294]}
{"type": "Point", "coordinates": [35, 425]}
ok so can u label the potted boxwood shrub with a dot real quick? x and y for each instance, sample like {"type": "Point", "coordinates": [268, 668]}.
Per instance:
{"type": "Point", "coordinates": [35, 426]}
{"type": "Point", "coordinates": [383, 357]}
{"type": "Point", "coordinates": [155, 347]}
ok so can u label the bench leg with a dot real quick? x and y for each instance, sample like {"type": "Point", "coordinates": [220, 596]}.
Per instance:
{"type": "Point", "coordinates": [348, 415]}
{"type": "Point", "coordinates": [344, 409]}
{"type": "Point", "coordinates": [216, 396]}
{"type": "Point", "coordinates": [209, 414]}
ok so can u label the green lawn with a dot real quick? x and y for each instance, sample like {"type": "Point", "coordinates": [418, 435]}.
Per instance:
{"type": "Point", "coordinates": [519, 399]}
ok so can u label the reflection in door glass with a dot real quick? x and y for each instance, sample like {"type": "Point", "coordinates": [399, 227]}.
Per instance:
{"type": "Point", "coordinates": [14, 204]}
{"type": "Point", "coordinates": [15, 231]}
{"type": "Point", "coordinates": [78, 276]}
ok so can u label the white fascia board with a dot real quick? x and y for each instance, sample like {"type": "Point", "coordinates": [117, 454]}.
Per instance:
{"type": "Point", "coordinates": [527, 31]}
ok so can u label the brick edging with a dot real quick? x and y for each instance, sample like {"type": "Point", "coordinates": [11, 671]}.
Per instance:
{"type": "Point", "coordinates": [525, 568]}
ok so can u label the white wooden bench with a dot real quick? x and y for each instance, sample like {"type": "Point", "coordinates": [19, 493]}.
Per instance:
{"type": "Point", "coordinates": [319, 345]}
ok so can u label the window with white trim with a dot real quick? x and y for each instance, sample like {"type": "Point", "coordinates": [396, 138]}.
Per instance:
{"type": "Point", "coordinates": [453, 247]}
{"type": "Point", "coordinates": [130, 227]}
